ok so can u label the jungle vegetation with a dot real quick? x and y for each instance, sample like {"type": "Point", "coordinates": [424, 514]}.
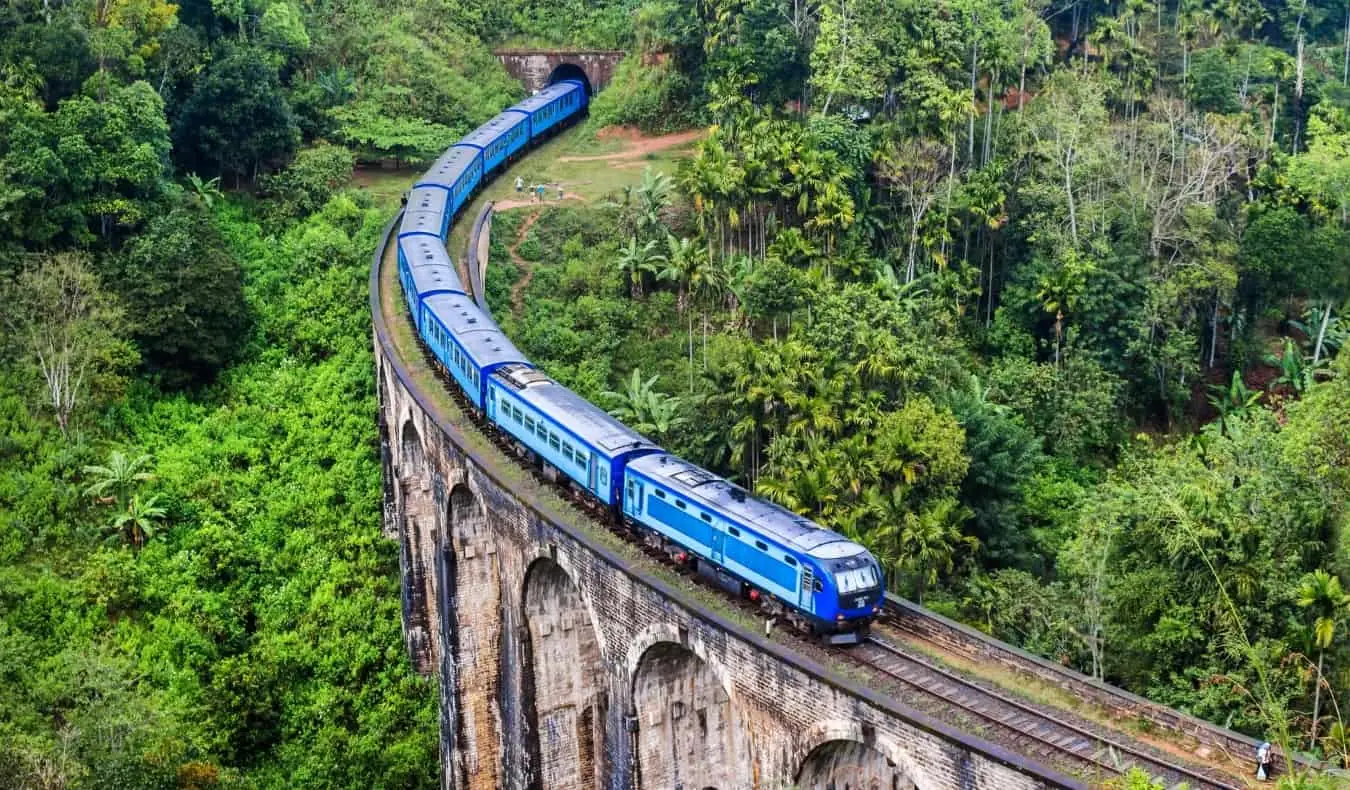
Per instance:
{"type": "Point", "coordinates": [1041, 301]}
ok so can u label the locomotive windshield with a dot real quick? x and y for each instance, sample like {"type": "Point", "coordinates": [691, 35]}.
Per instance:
{"type": "Point", "coordinates": [854, 580]}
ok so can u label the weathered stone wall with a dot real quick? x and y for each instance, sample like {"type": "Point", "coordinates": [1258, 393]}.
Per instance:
{"type": "Point", "coordinates": [561, 668]}
{"type": "Point", "coordinates": [534, 67]}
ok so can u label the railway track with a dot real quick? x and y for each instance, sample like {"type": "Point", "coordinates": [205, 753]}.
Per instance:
{"type": "Point", "coordinates": [1027, 728]}
{"type": "Point", "coordinates": [1015, 723]}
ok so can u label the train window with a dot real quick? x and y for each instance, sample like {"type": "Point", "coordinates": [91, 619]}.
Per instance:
{"type": "Point", "coordinates": [705, 517]}
{"type": "Point", "coordinates": [604, 477]}
{"type": "Point", "coordinates": [735, 533]}
{"type": "Point", "coordinates": [660, 494]}
{"type": "Point", "coordinates": [554, 442]}
{"type": "Point", "coordinates": [761, 545]}
{"type": "Point", "coordinates": [790, 561]}
{"type": "Point", "coordinates": [818, 586]}
{"type": "Point", "coordinates": [680, 504]}
{"type": "Point", "coordinates": [529, 424]}
{"type": "Point", "coordinates": [542, 432]}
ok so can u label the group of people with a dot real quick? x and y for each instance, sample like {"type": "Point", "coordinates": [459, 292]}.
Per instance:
{"type": "Point", "coordinates": [537, 190]}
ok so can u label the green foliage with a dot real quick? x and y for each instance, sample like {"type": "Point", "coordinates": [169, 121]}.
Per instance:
{"type": "Point", "coordinates": [642, 96]}
{"type": "Point", "coordinates": [236, 121]}
{"type": "Point", "coordinates": [186, 291]}
{"type": "Point", "coordinates": [308, 182]}
{"type": "Point", "coordinates": [90, 167]}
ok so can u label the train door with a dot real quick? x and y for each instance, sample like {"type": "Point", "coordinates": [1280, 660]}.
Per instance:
{"type": "Point", "coordinates": [590, 477]}
{"type": "Point", "coordinates": [718, 540]}
{"type": "Point", "coordinates": [807, 597]}
{"type": "Point", "coordinates": [632, 500]}
{"type": "Point", "coordinates": [491, 404]}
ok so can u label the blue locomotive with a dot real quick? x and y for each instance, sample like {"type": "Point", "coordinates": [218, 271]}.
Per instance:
{"type": "Point", "coordinates": [816, 578]}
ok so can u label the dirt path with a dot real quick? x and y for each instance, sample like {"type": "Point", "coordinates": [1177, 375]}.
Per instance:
{"type": "Point", "coordinates": [526, 269]}
{"type": "Point", "coordinates": [510, 203]}
{"type": "Point", "coordinates": [639, 147]}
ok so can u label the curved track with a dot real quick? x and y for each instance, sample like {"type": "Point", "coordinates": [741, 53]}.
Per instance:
{"type": "Point", "coordinates": [1082, 750]}
{"type": "Point", "coordinates": [1025, 727]}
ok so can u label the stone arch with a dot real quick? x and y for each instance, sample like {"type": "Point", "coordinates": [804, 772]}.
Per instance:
{"type": "Point", "coordinates": [570, 71]}
{"type": "Point", "coordinates": [412, 456]}
{"type": "Point", "coordinates": [846, 755]}
{"type": "Point", "coordinates": [417, 532]}
{"type": "Point", "coordinates": [687, 735]}
{"type": "Point", "coordinates": [656, 633]}
{"type": "Point", "coordinates": [471, 627]}
{"type": "Point", "coordinates": [564, 680]}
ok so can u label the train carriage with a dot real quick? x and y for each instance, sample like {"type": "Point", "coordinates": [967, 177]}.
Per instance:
{"type": "Point", "coordinates": [834, 583]}
{"type": "Point", "coordinates": [426, 223]}
{"type": "Point", "coordinates": [467, 342]}
{"type": "Point", "coordinates": [551, 106]}
{"type": "Point", "coordinates": [500, 138]}
{"type": "Point", "coordinates": [425, 270]}
{"type": "Point", "coordinates": [457, 172]}
{"type": "Point", "coordinates": [432, 201]}
{"type": "Point", "coordinates": [562, 428]}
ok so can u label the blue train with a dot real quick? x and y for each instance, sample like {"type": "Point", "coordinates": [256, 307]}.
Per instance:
{"type": "Point", "coordinates": [816, 578]}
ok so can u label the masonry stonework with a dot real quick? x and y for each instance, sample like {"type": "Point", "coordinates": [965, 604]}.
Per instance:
{"type": "Point", "coordinates": [562, 667]}
{"type": "Point", "coordinates": [537, 68]}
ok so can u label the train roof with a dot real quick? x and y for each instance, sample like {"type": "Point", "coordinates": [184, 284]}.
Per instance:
{"type": "Point", "coordinates": [485, 344]}
{"type": "Point", "coordinates": [422, 250]}
{"type": "Point", "coordinates": [421, 222]}
{"type": "Point", "coordinates": [430, 279]}
{"type": "Point", "coordinates": [490, 131]}
{"type": "Point", "coordinates": [446, 170]}
{"type": "Point", "coordinates": [427, 198]}
{"type": "Point", "coordinates": [725, 497]}
{"type": "Point", "coordinates": [543, 97]}
{"type": "Point", "coordinates": [590, 423]}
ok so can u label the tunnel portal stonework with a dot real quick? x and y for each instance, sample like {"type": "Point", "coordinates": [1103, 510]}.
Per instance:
{"type": "Point", "coordinates": [537, 68]}
{"type": "Point", "coordinates": [562, 665]}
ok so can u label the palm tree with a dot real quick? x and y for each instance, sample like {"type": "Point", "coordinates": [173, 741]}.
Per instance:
{"type": "Point", "coordinates": [119, 476]}
{"type": "Point", "coordinates": [928, 540]}
{"type": "Point", "coordinates": [1321, 592]}
{"type": "Point", "coordinates": [635, 261]}
{"type": "Point", "coordinates": [136, 524]}
{"type": "Point", "coordinates": [685, 265]}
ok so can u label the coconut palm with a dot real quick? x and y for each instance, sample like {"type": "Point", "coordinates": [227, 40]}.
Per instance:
{"type": "Point", "coordinates": [1322, 593]}
{"type": "Point", "coordinates": [118, 477]}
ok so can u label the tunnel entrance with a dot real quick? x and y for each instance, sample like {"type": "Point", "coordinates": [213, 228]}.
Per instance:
{"type": "Point", "coordinates": [570, 71]}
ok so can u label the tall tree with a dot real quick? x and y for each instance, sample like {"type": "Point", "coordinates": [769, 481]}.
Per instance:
{"type": "Point", "coordinates": [67, 331]}
{"type": "Point", "coordinates": [186, 291]}
{"type": "Point", "coordinates": [237, 120]}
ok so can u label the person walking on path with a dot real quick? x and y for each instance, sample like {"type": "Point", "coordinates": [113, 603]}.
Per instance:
{"type": "Point", "coordinates": [520, 184]}
{"type": "Point", "coordinates": [560, 192]}
{"type": "Point", "coordinates": [539, 192]}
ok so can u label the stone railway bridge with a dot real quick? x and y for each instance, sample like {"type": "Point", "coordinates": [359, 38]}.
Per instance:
{"type": "Point", "coordinates": [566, 662]}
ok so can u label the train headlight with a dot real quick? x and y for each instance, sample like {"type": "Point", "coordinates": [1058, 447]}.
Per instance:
{"type": "Point", "coordinates": [839, 618]}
